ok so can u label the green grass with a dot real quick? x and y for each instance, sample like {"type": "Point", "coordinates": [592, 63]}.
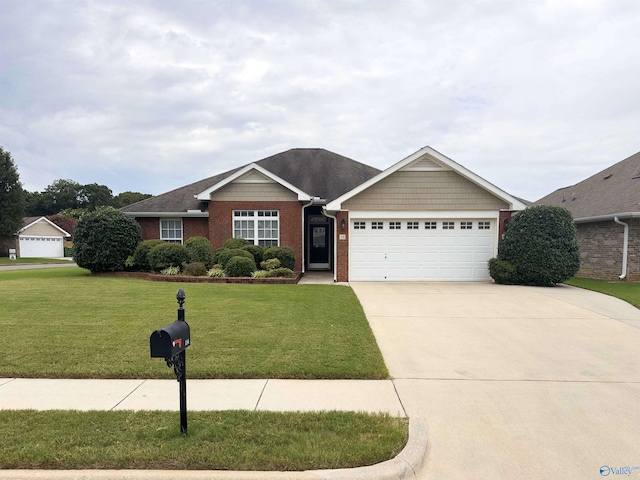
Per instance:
{"type": "Point", "coordinates": [627, 291]}
{"type": "Point", "coordinates": [66, 323]}
{"type": "Point", "coordinates": [232, 440]}
{"type": "Point", "coordinates": [31, 261]}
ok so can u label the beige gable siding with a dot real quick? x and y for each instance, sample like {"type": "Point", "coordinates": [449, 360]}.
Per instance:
{"type": "Point", "coordinates": [42, 229]}
{"type": "Point", "coordinates": [263, 192]}
{"type": "Point", "coordinates": [406, 191]}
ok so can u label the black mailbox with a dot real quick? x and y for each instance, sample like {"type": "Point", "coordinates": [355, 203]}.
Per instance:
{"type": "Point", "coordinates": [170, 340]}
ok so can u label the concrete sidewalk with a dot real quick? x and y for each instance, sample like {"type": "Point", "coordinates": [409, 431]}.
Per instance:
{"type": "Point", "coordinates": [370, 396]}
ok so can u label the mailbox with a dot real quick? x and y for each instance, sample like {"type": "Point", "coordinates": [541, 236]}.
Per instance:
{"type": "Point", "coordinates": [170, 340]}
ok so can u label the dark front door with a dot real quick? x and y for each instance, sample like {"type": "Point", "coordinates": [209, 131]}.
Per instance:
{"type": "Point", "coordinates": [319, 246]}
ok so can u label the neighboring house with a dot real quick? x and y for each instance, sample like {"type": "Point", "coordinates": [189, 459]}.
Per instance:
{"type": "Point", "coordinates": [424, 218]}
{"type": "Point", "coordinates": [41, 238]}
{"type": "Point", "coordinates": [606, 212]}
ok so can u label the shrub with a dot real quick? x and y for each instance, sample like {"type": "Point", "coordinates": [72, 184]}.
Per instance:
{"type": "Point", "coordinates": [235, 243]}
{"type": "Point", "coordinates": [240, 267]}
{"type": "Point", "coordinates": [502, 272]}
{"type": "Point", "coordinates": [140, 255]}
{"type": "Point", "coordinates": [199, 250]}
{"type": "Point", "coordinates": [104, 238]}
{"type": "Point", "coordinates": [170, 271]}
{"type": "Point", "coordinates": [542, 246]}
{"type": "Point", "coordinates": [226, 254]}
{"type": "Point", "coordinates": [167, 255]}
{"type": "Point", "coordinates": [260, 274]}
{"type": "Point", "coordinates": [216, 273]}
{"type": "Point", "coordinates": [281, 272]}
{"type": "Point", "coordinates": [270, 264]}
{"type": "Point", "coordinates": [195, 269]}
{"type": "Point", "coordinates": [256, 251]}
{"type": "Point", "coordinates": [285, 254]}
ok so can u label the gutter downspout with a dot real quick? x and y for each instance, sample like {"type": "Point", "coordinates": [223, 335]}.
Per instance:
{"type": "Point", "coordinates": [335, 244]}
{"type": "Point", "coordinates": [625, 247]}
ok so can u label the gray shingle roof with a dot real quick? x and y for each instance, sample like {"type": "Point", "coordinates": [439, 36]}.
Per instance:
{"type": "Point", "coordinates": [315, 171]}
{"type": "Point", "coordinates": [614, 190]}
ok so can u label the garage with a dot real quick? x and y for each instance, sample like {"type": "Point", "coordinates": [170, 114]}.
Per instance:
{"type": "Point", "coordinates": [451, 249]}
{"type": "Point", "coordinates": [41, 238]}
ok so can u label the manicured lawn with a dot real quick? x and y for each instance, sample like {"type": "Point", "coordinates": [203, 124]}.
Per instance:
{"type": "Point", "coordinates": [30, 261]}
{"type": "Point", "coordinates": [66, 323]}
{"type": "Point", "coordinates": [234, 440]}
{"type": "Point", "coordinates": [627, 291]}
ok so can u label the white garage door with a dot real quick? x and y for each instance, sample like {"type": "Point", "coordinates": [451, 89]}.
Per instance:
{"type": "Point", "coordinates": [396, 250]}
{"type": "Point", "coordinates": [41, 247]}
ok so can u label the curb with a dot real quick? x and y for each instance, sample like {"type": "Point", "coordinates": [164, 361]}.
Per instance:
{"type": "Point", "coordinates": [405, 465]}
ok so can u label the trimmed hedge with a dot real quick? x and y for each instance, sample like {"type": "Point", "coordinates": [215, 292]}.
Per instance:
{"type": "Point", "coordinates": [235, 243]}
{"type": "Point", "coordinates": [225, 254]}
{"type": "Point", "coordinates": [541, 244]}
{"type": "Point", "coordinates": [256, 251]}
{"type": "Point", "coordinates": [239, 266]}
{"type": "Point", "coordinates": [196, 269]}
{"type": "Point", "coordinates": [199, 250]}
{"type": "Point", "coordinates": [167, 255]}
{"type": "Point", "coordinates": [286, 256]}
{"type": "Point", "coordinates": [141, 254]}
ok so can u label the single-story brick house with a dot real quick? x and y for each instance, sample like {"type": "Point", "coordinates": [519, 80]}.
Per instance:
{"type": "Point", "coordinates": [424, 218]}
{"type": "Point", "coordinates": [606, 212]}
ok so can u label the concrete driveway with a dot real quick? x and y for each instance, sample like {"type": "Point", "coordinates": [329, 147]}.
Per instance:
{"type": "Point", "coordinates": [513, 382]}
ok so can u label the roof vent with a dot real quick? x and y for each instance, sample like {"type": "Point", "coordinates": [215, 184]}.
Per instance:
{"type": "Point", "coordinates": [607, 177]}
{"type": "Point", "coordinates": [563, 198]}
{"type": "Point", "coordinates": [573, 196]}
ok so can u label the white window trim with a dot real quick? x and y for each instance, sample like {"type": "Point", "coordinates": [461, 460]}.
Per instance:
{"type": "Point", "coordinates": [256, 218]}
{"type": "Point", "coordinates": [175, 239]}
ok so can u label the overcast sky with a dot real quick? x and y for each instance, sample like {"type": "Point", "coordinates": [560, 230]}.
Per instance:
{"type": "Point", "coordinates": [149, 95]}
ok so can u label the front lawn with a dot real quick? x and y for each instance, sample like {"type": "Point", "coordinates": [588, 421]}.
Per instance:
{"type": "Point", "coordinates": [66, 323]}
{"type": "Point", "coordinates": [234, 440]}
{"type": "Point", "coordinates": [627, 291]}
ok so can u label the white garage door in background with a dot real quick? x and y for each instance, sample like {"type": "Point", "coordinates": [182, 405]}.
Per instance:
{"type": "Point", "coordinates": [41, 247]}
{"type": "Point", "coordinates": [438, 250]}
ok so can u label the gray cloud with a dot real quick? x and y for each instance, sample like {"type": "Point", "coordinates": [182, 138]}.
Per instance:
{"type": "Point", "coordinates": [150, 95]}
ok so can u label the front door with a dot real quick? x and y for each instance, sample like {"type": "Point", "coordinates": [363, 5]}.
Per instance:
{"type": "Point", "coordinates": [319, 246]}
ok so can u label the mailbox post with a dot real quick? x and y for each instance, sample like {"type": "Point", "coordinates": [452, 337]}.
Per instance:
{"type": "Point", "coordinates": [170, 343]}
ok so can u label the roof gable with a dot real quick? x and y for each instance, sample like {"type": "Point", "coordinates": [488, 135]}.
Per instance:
{"type": "Point", "coordinates": [428, 159]}
{"type": "Point", "coordinates": [30, 222]}
{"type": "Point", "coordinates": [612, 191]}
{"type": "Point", "coordinates": [252, 173]}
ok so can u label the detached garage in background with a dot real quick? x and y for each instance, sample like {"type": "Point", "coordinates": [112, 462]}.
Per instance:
{"type": "Point", "coordinates": [41, 238]}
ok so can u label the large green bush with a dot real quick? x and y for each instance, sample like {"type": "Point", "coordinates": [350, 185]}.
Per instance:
{"type": "Point", "coordinates": [104, 239]}
{"type": "Point", "coordinates": [167, 255]}
{"type": "Point", "coordinates": [542, 246]}
{"type": "Point", "coordinates": [140, 255]}
{"type": "Point", "coordinates": [235, 243]}
{"type": "Point", "coordinates": [256, 251]}
{"type": "Point", "coordinates": [286, 256]}
{"type": "Point", "coordinates": [224, 255]}
{"type": "Point", "coordinates": [199, 250]}
{"type": "Point", "coordinates": [240, 267]}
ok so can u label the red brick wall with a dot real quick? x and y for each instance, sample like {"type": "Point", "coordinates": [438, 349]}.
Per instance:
{"type": "Point", "coordinates": [342, 267]}
{"type": "Point", "coordinates": [221, 223]}
{"type": "Point", "coordinates": [601, 247]}
{"type": "Point", "coordinates": [504, 215]}
{"type": "Point", "coordinates": [150, 227]}
{"type": "Point", "coordinates": [195, 227]}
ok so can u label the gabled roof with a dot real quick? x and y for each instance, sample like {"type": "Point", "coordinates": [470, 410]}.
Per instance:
{"type": "Point", "coordinates": [28, 222]}
{"type": "Point", "coordinates": [428, 159]}
{"type": "Point", "coordinates": [610, 192]}
{"type": "Point", "coordinates": [315, 172]}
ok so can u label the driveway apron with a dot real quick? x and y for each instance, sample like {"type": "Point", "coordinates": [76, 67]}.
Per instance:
{"type": "Point", "coordinates": [513, 382]}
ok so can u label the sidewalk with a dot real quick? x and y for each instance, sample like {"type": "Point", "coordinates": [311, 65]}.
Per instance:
{"type": "Point", "coordinates": [370, 396]}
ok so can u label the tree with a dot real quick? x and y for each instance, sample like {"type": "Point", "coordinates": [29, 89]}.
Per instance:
{"type": "Point", "coordinates": [104, 239]}
{"type": "Point", "coordinates": [61, 195]}
{"type": "Point", "coordinates": [94, 195]}
{"type": "Point", "coordinates": [127, 198]}
{"type": "Point", "coordinates": [12, 196]}
{"type": "Point", "coordinates": [541, 245]}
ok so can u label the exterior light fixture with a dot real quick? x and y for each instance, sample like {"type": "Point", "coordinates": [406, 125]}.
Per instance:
{"type": "Point", "coordinates": [343, 224]}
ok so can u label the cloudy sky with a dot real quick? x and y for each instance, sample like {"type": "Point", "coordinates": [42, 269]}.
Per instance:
{"type": "Point", "coordinates": [149, 95]}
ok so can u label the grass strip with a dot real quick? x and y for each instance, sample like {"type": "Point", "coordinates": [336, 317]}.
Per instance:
{"type": "Point", "coordinates": [229, 440]}
{"type": "Point", "coordinates": [66, 323]}
{"type": "Point", "coordinates": [627, 291]}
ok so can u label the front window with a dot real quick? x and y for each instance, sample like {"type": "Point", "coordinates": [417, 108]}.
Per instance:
{"type": "Point", "coordinates": [260, 227]}
{"type": "Point", "coordinates": [171, 231]}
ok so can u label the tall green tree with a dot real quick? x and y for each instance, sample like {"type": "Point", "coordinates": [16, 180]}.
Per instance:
{"type": "Point", "coordinates": [12, 196]}
{"type": "Point", "coordinates": [93, 195]}
{"type": "Point", "coordinates": [127, 198]}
